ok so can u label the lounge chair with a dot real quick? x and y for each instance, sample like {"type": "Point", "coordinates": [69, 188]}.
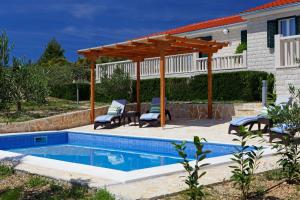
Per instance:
{"type": "Point", "coordinates": [259, 119]}
{"type": "Point", "coordinates": [279, 132]}
{"type": "Point", "coordinates": [152, 117]}
{"type": "Point", "coordinates": [246, 121]}
{"type": "Point", "coordinates": [114, 113]}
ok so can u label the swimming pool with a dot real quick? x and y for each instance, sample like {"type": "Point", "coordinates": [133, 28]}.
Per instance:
{"type": "Point", "coordinates": [105, 151]}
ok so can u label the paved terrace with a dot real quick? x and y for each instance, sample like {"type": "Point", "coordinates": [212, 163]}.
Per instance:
{"type": "Point", "coordinates": [212, 130]}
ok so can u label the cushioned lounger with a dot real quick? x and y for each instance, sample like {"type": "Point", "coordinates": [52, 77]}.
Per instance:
{"type": "Point", "coordinates": [152, 117]}
{"type": "Point", "coordinates": [112, 114]}
{"type": "Point", "coordinates": [259, 119]}
{"type": "Point", "coordinates": [278, 132]}
{"type": "Point", "coordinates": [242, 121]}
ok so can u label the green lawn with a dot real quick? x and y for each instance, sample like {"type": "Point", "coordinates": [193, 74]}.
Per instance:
{"type": "Point", "coordinates": [52, 107]}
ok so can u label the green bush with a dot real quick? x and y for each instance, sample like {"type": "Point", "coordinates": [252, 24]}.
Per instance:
{"type": "Point", "coordinates": [118, 86]}
{"type": "Point", "coordinates": [69, 92]}
{"type": "Point", "coordinates": [233, 86]}
{"type": "Point", "coordinates": [242, 47]}
{"type": "Point", "coordinates": [103, 194]}
{"type": "Point", "coordinates": [243, 86]}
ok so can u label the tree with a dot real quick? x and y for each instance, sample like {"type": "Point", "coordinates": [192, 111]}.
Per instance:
{"type": "Point", "coordinates": [27, 83]}
{"type": "Point", "coordinates": [118, 86]}
{"type": "Point", "coordinates": [5, 49]}
{"type": "Point", "coordinates": [53, 54]}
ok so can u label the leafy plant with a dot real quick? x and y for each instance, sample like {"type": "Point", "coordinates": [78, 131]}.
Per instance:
{"type": "Point", "coordinates": [103, 194]}
{"type": "Point", "coordinates": [36, 181]}
{"type": "Point", "coordinates": [5, 171]}
{"type": "Point", "coordinates": [241, 47]}
{"type": "Point", "coordinates": [287, 117]}
{"type": "Point", "coordinates": [11, 194]}
{"type": "Point", "coordinates": [246, 161]}
{"type": "Point", "coordinates": [195, 188]}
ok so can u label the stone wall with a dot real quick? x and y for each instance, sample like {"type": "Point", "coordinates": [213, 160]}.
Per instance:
{"type": "Point", "coordinates": [285, 76]}
{"type": "Point", "coordinates": [57, 122]}
{"type": "Point", "coordinates": [178, 111]}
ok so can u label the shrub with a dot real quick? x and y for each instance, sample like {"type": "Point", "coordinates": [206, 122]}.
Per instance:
{"type": "Point", "coordinates": [246, 162]}
{"type": "Point", "coordinates": [69, 91]}
{"type": "Point", "coordinates": [195, 188]}
{"type": "Point", "coordinates": [5, 171]}
{"type": "Point", "coordinates": [103, 194]}
{"type": "Point", "coordinates": [226, 87]}
{"type": "Point", "coordinates": [36, 181]}
{"type": "Point", "coordinates": [242, 47]}
{"type": "Point", "coordinates": [288, 117]}
{"type": "Point", "coordinates": [118, 86]}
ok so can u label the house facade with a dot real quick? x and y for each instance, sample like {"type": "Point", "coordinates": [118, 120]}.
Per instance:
{"type": "Point", "coordinates": [271, 32]}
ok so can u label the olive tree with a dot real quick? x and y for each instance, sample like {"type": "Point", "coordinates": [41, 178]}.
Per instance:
{"type": "Point", "coordinates": [27, 83]}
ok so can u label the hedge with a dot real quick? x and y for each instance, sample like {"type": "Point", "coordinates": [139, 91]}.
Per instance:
{"type": "Point", "coordinates": [242, 86]}
{"type": "Point", "coordinates": [69, 91]}
{"type": "Point", "coordinates": [233, 86]}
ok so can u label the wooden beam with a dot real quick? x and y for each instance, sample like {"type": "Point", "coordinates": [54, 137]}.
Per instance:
{"type": "Point", "coordinates": [162, 90]}
{"type": "Point", "coordinates": [92, 93]}
{"type": "Point", "coordinates": [138, 86]}
{"type": "Point", "coordinates": [209, 86]}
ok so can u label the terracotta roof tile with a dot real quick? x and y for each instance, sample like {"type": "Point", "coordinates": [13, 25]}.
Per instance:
{"type": "Point", "coordinates": [202, 25]}
{"type": "Point", "coordinates": [272, 4]}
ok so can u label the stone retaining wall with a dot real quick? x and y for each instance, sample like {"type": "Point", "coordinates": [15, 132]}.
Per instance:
{"type": "Point", "coordinates": [178, 111]}
{"type": "Point", "coordinates": [57, 122]}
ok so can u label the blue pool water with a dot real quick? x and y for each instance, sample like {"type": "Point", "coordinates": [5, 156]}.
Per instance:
{"type": "Point", "coordinates": [114, 152]}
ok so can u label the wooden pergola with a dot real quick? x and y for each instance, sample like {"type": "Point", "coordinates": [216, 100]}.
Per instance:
{"type": "Point", "coordinates": [157, 46]}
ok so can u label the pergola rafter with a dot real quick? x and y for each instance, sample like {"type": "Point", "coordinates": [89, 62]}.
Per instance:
{"type": "Point", "coordinates": [158, 46]}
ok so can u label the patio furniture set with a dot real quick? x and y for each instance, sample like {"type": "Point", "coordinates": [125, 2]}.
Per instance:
{"type": "Point", "coordinates": [279, 131]}
{"type": "Point", "coordinates": [117, 115]}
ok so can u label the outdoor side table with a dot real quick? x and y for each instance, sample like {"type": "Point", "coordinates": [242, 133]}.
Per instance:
{"type": "Point", "coordinates": [131, 115]}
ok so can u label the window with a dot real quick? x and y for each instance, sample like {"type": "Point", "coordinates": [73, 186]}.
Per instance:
{"type": "Point", "coordinates": [244, 36]}
{"type": "Point", "coordinates": [287, 27]}
{"type": "Point", "coordinates": [206, 38]}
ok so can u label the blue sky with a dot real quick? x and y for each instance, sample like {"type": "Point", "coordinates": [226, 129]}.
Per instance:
{"type": "Point", "coordinates": [78, 24]}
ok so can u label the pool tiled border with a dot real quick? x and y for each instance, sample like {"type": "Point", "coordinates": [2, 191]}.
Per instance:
{"type": "Point", "coordinates": [116, 176]}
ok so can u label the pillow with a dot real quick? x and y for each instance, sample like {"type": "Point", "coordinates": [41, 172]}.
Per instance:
{"type": "Point", "coordinates": [114, 110]}
{"type": "Point", "coordinates": [155, 108]}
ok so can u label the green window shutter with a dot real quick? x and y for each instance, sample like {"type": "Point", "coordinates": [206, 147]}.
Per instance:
{"type": "Point", "coordinates": [271, 32]}
{"type": "Point", "coordinates": [298, 25]}
{"type": "Point", "coordinates": [244, 36]}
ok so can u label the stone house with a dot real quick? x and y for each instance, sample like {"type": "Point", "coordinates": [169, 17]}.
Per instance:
{"type": "Point", "coordinates": [271, 32]}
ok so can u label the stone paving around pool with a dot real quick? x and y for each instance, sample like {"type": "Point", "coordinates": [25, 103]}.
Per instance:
{"type": "Point", "coordinates": [212, 130]}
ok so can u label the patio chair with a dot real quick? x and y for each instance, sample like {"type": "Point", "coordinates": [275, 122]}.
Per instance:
{"type": "Point", "coordinates": [279, 132]}
{"type": "Point", "coordinates": [259, 119]}
{"type": "Point", "coordinates": [152, 117]}
{"type": "Point", "coordinates": [114, 113]}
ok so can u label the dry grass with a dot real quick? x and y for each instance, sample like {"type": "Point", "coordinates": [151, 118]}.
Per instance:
{"type": "Point", "coordinates": [267, 186]}
{"type": "Point", "coordinates": [52, 107]}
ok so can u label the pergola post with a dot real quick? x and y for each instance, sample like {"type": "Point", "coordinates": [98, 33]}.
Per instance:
{"type": "Point", "coordinates": [92, 92]}
{"type": "Point", "coordinates": [209, 86]}
{"type": "Point", "coordinates": [162, 90]}
{"type": "Point", "coordinates": [138, 86]}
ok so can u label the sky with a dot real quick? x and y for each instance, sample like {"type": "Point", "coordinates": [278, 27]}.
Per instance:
{"type": "Point", "coordinates": [79, 24]}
